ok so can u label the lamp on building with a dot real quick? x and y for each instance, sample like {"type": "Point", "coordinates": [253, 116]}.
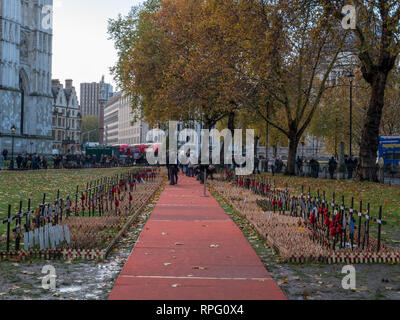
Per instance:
{"type": "Point", "coordinates": [351, 77]}
{"type": "Point", "coordinates": [13, 129]}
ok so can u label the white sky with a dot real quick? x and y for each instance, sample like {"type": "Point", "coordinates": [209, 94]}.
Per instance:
{"type": "Point", "coordinates": [81, 49]}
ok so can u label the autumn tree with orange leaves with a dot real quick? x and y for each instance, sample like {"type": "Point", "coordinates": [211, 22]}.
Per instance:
{"type": "Point", "coordinates": [209, 61]}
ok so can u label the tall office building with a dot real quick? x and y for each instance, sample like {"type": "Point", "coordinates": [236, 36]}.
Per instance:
{"type": "Point", "coordinates": [91, 96]}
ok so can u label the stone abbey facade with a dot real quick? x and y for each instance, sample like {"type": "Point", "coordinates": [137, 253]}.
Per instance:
{"type": "Point", "coordinates": [26, 98]}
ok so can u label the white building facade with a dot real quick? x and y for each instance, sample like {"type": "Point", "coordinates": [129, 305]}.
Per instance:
{"type": "Point", "coordinates": [119, 128]}
{"type": "Point", "coordinates": [25, 76]}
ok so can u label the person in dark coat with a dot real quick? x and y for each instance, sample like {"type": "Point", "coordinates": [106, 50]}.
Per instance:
{"type": "Point", "coordinates": [299, 164]}
{"type": "Point", "coordinates": [332, 166]}
{"type": "Point", "coordinates": [314, 165]}
{"type": "Point", "coordinates": [173, 173]}
{"type": "Point", "coordinates": [350, 167]}
{"type": "Point", "coordinates": [5, 153]}
{"type": "Point", "coordinates": [19, 161]}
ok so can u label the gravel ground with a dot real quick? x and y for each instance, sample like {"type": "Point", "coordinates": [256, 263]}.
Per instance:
{"type": "Point", "coordinates": [77, 280]}
{"type": "Point", "coordinates": [320, 281]}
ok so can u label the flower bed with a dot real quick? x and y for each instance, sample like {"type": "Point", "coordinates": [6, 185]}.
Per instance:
{"type": "Point", "coordinates": [291, 236]}
{"type": "Point", "coordinates": [93, 225]}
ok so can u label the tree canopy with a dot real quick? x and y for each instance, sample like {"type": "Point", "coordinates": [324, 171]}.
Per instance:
{"type": "Point", "coordinates": [259, 64]}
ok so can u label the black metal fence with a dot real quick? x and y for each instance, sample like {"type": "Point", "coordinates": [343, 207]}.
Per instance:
{"type": "Point", "coordinates": [334, 223]}
{"type": "Point", "coordinates": [42, 227]}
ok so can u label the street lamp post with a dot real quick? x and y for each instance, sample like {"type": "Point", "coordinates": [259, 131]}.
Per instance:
{"type": "Point", "coordinates": [351, 76]}
{"type": "Point", "coordinates": [336, 153]}
{"type": "Point", "coordinates": [13, 129]}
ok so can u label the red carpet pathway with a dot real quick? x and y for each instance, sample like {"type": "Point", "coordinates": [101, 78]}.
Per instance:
{"type": "Point", "coordinates": [191, 250]}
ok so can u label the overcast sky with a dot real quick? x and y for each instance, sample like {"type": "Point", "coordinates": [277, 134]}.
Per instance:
{"type": "Point", "coordinates": [81, 49]}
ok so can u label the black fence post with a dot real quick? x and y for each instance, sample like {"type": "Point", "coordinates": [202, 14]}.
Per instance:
{"type": "Point", "coordinates": [27, 218]}
{"type": "Point", "coordinates": [8, 227]}
{"type": "Point", "coordinates": [76, 200]}
{"type": "Point", "coordinates": [359, 224]}
{"type": "Point", "coordinates": [368, 220]}
{"type": "Point", "coordinates": [379, 228]}
{"type": "Point", "coordinates": [18, 227]}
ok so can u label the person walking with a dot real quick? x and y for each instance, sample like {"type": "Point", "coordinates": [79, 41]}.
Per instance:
{"type": "Point", "coordinates": [278, 165]}
{"type": "Point", "coordinates": [350, 167]}
{"type": "Point", "coordinates": [173, 173]}
{"type": "Point", "coordinates": [317, 166]}
{"type": "Point", "coordinates": [256, 165]}
{"type": "Point", "coordinates": [191, 169]}
{"type": "Point", "coordinates": [19, 161]}
{"type": "Point", "coordinates": [5, 153]}
{"type": "Point", "coordinates": [332, 166]}
{"type": "Point", "coordinates": [211, 171]}
{"type": "Point", "coordinates": [299, 164]}
{"type": "Point", "coordinates": [313, 166]}
{"type": "Point", "coordinates": [272, 165]}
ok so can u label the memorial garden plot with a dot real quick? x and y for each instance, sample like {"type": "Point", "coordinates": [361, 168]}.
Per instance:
{"type": "Point", "coordinates": [84, 225]}
{"type": "Point", "coordinates": [309, 227]}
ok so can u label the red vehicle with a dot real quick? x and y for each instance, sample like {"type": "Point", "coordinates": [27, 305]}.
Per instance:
{"type": "Point", "coordinates": [138, 148]}
{"type": "Point", "coordinates": [138, 151]}
{"type": "Point", "coordinates": [153, 147]}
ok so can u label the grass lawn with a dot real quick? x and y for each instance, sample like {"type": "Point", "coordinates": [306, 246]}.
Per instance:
{"type": "Point", "coordinates": [22, 185]}
{"type": "Point", "coordinates": [376, 194]}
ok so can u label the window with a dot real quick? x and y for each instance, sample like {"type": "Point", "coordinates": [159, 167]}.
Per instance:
{"type": "Point", "coordinates": [392, 155]}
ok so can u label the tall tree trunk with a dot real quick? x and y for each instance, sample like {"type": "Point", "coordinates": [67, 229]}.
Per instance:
{"type": "Point", "coordinates": [366, 169]}
{"type": "Point", "coordinates": [231, 128]}
{"type": "Point", "coordinates": [266, 139]}
{"type": "Point", "coordinates": [293, 144]}
{"type": "Point", "coordinates": [256, 140]}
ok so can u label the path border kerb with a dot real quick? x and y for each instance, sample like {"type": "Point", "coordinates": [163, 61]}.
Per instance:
{"type": "Point", "coordinates": [191, 250]}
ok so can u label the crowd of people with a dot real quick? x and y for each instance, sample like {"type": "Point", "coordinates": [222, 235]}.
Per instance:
{"type": "Point", "coordinates": [23, 162]}
{"type": "Point", "coordinates": [191, 170]}
{"type": "Point", "coordinates": [314, 167]}
{"type": "Point", "coordinates": [275, 164]}
{"type": "Point", "coordinates": [35, 161]}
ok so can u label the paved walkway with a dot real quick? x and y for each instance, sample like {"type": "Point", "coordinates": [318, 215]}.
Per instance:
{"type": "Point", "coordinates": [191, 250]}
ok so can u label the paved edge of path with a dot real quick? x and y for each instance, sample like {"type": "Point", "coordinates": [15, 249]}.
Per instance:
{"type": "Point", "coordinates": [190, 249]}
